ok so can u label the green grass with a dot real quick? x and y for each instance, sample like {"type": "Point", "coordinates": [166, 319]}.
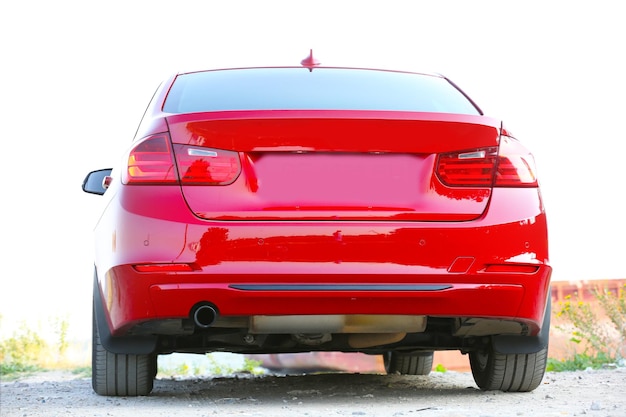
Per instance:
{"type": "Point", "coordinates": [82, 371]}
{"type": "Point", "coordinates": [579, 361]}
{"type": "Point", "coordinates": [10, 371]}
{"type": "Point", "coordinates": [440, 368]}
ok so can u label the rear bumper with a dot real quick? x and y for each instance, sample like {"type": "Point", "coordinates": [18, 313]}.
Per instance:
{"type": "Point", "coordinates": [163, 296]}
{"type": "Point", "coordinates": [494, 267]}
{"type": "Point", "coordinates": [487, 300]}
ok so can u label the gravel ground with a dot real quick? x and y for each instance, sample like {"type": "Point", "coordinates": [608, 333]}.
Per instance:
{"type": "Point", "coordinates": [450, 394]}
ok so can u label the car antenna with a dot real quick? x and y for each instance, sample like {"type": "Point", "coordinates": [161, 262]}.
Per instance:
{"type": "Point", "coordinates": [310, 62]}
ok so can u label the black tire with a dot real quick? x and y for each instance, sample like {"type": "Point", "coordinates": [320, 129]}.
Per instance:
{"type": "Point", "coordinates": [120, 374]}
{"type": "Point", "coordinates": [420, 363]}
{"type": "Point", "coordinates": [508, 372]}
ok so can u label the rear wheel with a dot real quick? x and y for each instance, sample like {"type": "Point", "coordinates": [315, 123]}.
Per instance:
{"type": "Point", "coordinates": [508, 372]}
{"type": "Point", "coordinates": [419, 363]}
{"type": "Point", "coordinates": [115, 374]}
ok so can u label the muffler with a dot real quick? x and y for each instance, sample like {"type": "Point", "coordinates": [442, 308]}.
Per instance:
{"type": "Point", "coordinates": [204, 315]}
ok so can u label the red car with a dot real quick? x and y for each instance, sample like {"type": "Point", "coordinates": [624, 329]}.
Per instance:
{"type": "Point", "coordinates": [312, 208]}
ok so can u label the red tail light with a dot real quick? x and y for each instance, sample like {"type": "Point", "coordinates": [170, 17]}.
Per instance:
{"type": "Point", "coordinates": [473, 168]}
{"type": "Point", "coordinates": [205, 166]}
{"type": "Point", "coordinates": [516, 166]}
{"type": "Point", "coordinates": [511, 166]}
{"type": "Point", "coordinates": [152, 162]}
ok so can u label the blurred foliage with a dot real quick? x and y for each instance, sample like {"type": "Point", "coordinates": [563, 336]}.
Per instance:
{"type": "Point", "coordinates": [614, 305]}
{"type": "Point", "coordinates": [213, 367]}
{"type": "Point", "coordinates": [599, 332]}
{"type": "Point", "coordinates": [27, 351]}
{"type": "Point", "coordinates": [21, 352]}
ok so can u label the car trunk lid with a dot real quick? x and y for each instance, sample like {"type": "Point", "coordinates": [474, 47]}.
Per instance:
{"type": "Point", "coordinates": [325, 165]}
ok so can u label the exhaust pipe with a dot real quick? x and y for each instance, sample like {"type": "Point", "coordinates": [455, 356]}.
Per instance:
{"type": "Point", "coordinates": [204, 315]}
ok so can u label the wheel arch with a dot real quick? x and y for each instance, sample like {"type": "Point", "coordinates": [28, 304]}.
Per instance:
{"type": "Point", "coordinates": [514, 344]}
{"type": "Point", "coordinates": [133, 345]}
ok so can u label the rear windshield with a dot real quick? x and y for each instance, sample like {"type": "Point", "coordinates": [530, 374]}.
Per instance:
{"type": "Point", "coordinates": [320, 89]}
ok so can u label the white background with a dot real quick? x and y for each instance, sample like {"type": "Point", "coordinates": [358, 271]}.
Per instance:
{"type": "Point", "coordinates": [76, 77]}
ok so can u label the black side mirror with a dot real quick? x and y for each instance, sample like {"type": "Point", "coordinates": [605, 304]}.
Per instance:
{"type": "Point", "coordinates": [97, 182]}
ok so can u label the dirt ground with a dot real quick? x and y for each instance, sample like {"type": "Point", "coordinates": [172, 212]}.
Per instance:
{"type": "Point", "coordinates": [450, 394]}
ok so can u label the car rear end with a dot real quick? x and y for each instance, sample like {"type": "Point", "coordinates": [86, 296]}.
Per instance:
{"type": "Point", "coordinates": [274, 210]}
